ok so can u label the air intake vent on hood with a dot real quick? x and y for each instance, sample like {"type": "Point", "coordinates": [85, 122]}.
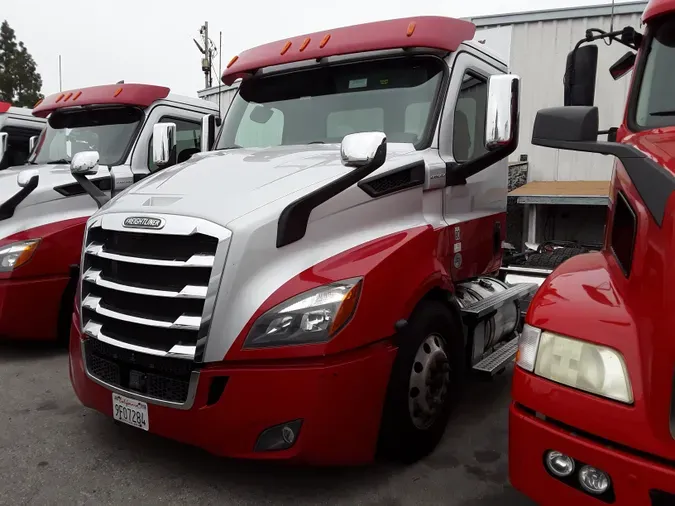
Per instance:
{"type": "Point", "coordinates": [402, 178]}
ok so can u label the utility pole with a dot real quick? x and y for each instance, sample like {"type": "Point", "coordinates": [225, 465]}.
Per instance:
{"type": "Point", "coordinates": [207, 51]}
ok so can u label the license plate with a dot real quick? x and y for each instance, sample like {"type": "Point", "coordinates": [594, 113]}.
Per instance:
{"type": "Point", "coordinates": [130, 411]}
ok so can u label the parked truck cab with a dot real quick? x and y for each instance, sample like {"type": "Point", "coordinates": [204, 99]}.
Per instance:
{"type": "Point", "coordinates": [593, 415]}
{"type": "Point", "coordinates": [43, 209]}
{"type": "Point", "coordinates": [18, 130]}
{"type": "Point", "coordinates": [315, 287]}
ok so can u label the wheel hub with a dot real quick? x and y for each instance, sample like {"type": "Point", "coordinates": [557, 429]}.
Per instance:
{"type": "Point", "coordinates": [429, 382]}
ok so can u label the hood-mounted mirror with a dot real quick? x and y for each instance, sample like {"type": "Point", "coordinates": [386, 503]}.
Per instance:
{"type": "Point", "coordinates": [83, 164]}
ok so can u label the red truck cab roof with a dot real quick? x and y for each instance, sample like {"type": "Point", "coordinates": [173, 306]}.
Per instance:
{"type": "Point", "coordinates": [427, 31]}
{"type": "Point", "coordinates": [141, 95]}
{"type": "Point", "coordinates": [4, 107]}
{"type": "Point", "coordinates": [656, 8]}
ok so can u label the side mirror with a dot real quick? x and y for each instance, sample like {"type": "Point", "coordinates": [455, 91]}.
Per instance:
{"type": "Point", "coordinates": [360, 149]}
{"type": "Point", "coordinates": [571, 124]}
{"type": "Point", "coordinates": [3, 144]}
{"type": "Point", "coordinates": [501, 129]}
{"type": "Point", "coordinates": [501, 120]}
{"type": "Point", "coordinates": [208, 132]}
{"type": "Point", "coordinates": [25, 177]}
{"type": "Point", "coordinates": [32, 142]}
{"type": "Point", "coordinates": [623, 65]}
{"type": "Point", "coordinates": [84, 163]}
{"type": "Point", "coordinates": [164, 144]}
{"type": "Point", "coordinates": [365, 152]}
{"type": "Point", "coordinates": [580, 74]}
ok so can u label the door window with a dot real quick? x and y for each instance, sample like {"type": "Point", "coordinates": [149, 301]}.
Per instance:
{"type": "Point", "coordinates": [468, 140]}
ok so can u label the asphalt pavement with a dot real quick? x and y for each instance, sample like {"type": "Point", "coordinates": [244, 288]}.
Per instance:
{"type": "Point", "coordinates": [53, 451]}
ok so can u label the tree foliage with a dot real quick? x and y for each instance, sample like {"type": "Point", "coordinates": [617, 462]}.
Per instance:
{"type": "Point", "coordinates": [20, 83]}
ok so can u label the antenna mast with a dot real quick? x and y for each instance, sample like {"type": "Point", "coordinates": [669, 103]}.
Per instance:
{"type": "Point", "coordinates": [220, 75]}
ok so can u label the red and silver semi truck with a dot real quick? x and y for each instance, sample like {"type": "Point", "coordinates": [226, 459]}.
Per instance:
{"type": "Point", "coordinates": [18, 131]}
{"type": "Point", "coordinates": [314, 288]}
{"type": "Point", "coordinates": [593, 415]}
{"type": "Point", "coordinates": [43, 210]}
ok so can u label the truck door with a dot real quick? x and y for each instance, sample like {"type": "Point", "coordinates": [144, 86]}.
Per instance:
{"type": "Point", "coordinates": [475, 211]}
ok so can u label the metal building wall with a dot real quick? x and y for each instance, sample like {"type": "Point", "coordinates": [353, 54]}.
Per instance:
{"type": "Point", "coordinates": [538, 52]}
{"type": "Point", "coordinates": [227, 94]}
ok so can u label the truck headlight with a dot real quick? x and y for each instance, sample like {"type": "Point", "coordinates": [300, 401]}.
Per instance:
{"type": "Point", "coordinates": [578, 364]}
{"type": "Point", "coordinates": [314, 316]}
{"type": "Point", "coordinates": [16, 254]}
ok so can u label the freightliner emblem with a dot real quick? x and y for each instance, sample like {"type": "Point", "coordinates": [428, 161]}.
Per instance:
{"type": "Point", "coordinates": [143, 222]}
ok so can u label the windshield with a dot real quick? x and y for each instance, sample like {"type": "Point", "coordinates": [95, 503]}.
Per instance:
{"type": "Point", "coordinates": [322, 105]}
{"type": "Point", "coordinates": [656, 99]}
{"type": "Point", "coordinates": [109, 131]}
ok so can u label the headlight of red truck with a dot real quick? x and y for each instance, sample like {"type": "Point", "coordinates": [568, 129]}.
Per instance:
{"type": "Point", "coordinates": [311, 317]}
{"type": "Point", "coordinates": [16, 254]}
{"type": "Point", "coordinates": [578, 364]}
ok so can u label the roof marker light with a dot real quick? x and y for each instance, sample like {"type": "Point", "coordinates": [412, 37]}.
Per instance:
{"type": "Point", "coordinates": [287, 46]}
{"type": "Point", "coordinates": [232, 61]}
{"type": "Point", "coordinates": [304, 44]}
{"type": "Point", "coordinates": [68, 95]}
{"type": "Point", "coordinates": [325, 41]}
{"type": "Point", "coordinates": [117, 92]}
{"type": "Point", "coordinates": [77, 95]}
{"type": "Point", "coordinates": [411, 28]}
{"type": "Point", "coordinates": [38, 103]}
{"type": "Point", "coordinates": [60, 98]}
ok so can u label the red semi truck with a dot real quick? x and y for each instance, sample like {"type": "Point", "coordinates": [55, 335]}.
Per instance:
{"type": "Point", "coordinates": [592, 420]}
{"type": "Point", "coordinates": [314, 287]}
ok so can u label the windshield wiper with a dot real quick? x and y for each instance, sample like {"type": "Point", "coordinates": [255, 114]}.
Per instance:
{"type": "Point", "coordinates": [663, 113]}
{"type": "Point", "coordinates": [58, 162]}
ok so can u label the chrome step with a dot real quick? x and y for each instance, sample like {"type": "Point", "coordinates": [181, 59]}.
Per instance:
{"type": "Point", "coordinates": [482, 308]}
{"type": "Point", "coordinates": [498, 359]}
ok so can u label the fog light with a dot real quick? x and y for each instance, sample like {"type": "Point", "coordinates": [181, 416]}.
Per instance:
{"type": "Point", "coordinates": [279, 437]}
{"type": "Point", "coordinates": [593, 480]}
{"type": "Point", "coordinates": [559, 464]}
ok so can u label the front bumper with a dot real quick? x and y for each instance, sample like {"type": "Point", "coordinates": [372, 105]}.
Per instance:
{"type": "Point", "coordinates": [29, 308]}
{"type": "Point", "coordinates": [339, 401]}
{"type": "Point", "coordinates": [636, 481]}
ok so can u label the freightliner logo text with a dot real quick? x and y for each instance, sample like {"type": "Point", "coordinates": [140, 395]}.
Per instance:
{"type": "Point", "coordinates": [143, 222]}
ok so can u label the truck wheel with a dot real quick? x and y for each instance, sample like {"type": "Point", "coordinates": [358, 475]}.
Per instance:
{"type": "Point", "coordinates": [424, 385]}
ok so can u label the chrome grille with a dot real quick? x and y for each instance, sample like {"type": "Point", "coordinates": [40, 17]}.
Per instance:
{"type": "Point", "coordinates": [146, 291]}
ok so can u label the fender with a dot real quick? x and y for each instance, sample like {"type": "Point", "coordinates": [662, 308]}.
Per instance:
{"type": "Point", "coordinates": [59, 248]}
{"type": "Point", "coordinates": [398, 270]}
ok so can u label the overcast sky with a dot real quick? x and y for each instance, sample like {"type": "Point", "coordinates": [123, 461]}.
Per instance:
{"type": "Point", "coordinates": [150, 41]}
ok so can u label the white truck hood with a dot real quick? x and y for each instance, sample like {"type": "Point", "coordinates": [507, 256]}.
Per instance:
{"type": "Point", "coordinates": [222, 186]}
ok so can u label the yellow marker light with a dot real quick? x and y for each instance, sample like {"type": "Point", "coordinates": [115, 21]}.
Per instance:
{"type": "Point", "coordinates": [411, 29]}
{"type": "Point", "coordinates": [60, 98]}
{"type": "Point", "coordinates": [232, 61]}
{"type": "Point", "coordinates": [324, 41]}
{"type": "Point", "coordinates": [77, 95]}
{"type": "Point", "coordinates": [117, 92]}
{"type": "Point", "coordinates": [67, 96]}
{"type": "Point", "coordinates": [286, 47]}
{"type": "Point", "coordinates": [304, 44]}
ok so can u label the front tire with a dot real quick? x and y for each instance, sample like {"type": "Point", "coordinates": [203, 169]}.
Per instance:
{"type": "Point", "coordinates": [424, 385]}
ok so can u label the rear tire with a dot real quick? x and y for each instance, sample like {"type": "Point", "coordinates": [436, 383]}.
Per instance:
{"type": "Point", "coordinates": [424, 385]}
